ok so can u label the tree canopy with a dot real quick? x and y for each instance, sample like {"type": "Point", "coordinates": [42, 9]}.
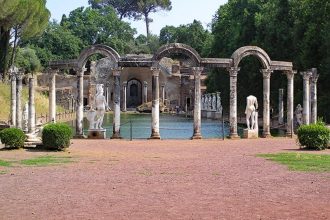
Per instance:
{"type": "Point", "coordinates": [136, 9]}
{"type": "Point", "coordinates": [19, 19]}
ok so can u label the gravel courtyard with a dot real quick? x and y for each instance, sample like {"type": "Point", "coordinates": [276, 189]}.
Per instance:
{"type": "Point", "coordinates": [172, 179]}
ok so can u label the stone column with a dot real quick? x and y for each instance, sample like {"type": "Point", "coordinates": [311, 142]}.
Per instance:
{"type": "Point", "coordinates": [32, 109]}
{"type": "Point", "coordinates": [290, 102]}
{"type": "Point", "coordinates": [52, 96]}
{"type": "Point", "coordinates": [155, 104]}
{"type": "Point", "coordinates": [233, 102]}
{"type": "Point", "coordinates": [145, 92]}
{"type": "Point", "coordinates": [266, 102]}
{"type": "Point", "coordinates": [280, 107]}
{"type": "Point", "coordinates": [306, 108]}
{"type": "Point", "coordinates": [116, 104]}
{"type": "Point", "coordinates": [163, 93]}
{"type": "Point", "coordinates": [13, 72]}
{"type": "Point", "coordinates": [19, 115]}
{"type": "Point", "coordinates": [314, 79]}
{"type": "Point", "coordinates": [197, 103]}
{"type": "Point", "coordinates": [80, 103]}
{"type": "Point", "coordinates": [125, 96]}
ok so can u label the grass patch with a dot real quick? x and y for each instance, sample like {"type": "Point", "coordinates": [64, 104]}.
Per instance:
{"type": "Point", "coordinates": [3, 172]}
{"type": "Point", "coordinates": [46, 161]}
{"type": "Point", "coordinates": [301, 161]}
{"type": "Point", "coordinates": [4, 163]}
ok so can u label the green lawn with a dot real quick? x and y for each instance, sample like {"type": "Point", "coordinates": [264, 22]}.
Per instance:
{"type": "Point", "coordinates": [301, 161]}
{"type": "Point", "coordinates": [4, 163]}
{"type": "Point", "coordinates": [46, 161]}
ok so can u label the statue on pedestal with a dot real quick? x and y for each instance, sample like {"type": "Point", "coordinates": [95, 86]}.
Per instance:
{"type": "Point", "coordinates": [251, 113]}
{"type": "Point", "coordinates": [95, 116]}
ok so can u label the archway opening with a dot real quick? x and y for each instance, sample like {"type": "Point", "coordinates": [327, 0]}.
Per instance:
{"type": "Point", "coordinates": [134, 93]}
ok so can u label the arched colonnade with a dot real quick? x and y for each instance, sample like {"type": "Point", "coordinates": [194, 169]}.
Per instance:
{"type": "Point", "coordinates": [198, 65]}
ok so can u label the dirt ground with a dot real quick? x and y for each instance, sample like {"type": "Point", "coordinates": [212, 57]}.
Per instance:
{"type": "Point", "coordinates": [207, 179]}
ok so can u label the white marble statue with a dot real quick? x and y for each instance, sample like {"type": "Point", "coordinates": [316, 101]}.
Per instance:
{"type": "Point", "coordinates": [209, 102]}
{"type": "Point", "coordinates": [95, 116]}
{"type": "Point", "coordinates": [219, 106]}
{"type": "Point", "coordinates": [251, 112]}
{"type": "Point", "coordinates": [299, 114]}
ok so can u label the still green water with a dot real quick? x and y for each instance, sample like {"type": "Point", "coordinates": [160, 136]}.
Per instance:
{"type": "Point", "coordinates": [171, 127]}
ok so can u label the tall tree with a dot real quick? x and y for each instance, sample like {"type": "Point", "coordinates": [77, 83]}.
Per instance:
{"type": "Point", "coordinates": [99, 26]}
{"type": "Point", "coordinates": [19, 19]}
{"type": "Point", "coordinates": [136, 9]}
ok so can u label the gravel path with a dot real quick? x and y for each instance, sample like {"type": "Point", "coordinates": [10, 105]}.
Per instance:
{"type": "Point", "coordinates": [207, 179]}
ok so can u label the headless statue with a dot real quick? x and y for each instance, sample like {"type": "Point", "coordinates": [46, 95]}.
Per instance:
{"type": "Point", "coordinates": [251, 112]}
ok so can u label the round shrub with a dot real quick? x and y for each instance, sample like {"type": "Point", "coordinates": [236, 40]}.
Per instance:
{"type": "Point", "coordinates": [12, 137]}
{"type": "Point", "coordinates": [314, 136]}
{"type": "Point", "coordinates": [56, 136]}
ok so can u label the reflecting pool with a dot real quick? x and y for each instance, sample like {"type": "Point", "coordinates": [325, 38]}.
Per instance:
{"type": "Point", "coordinates": [138, 126]}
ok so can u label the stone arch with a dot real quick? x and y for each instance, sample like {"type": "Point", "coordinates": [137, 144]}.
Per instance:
{"type": "Point", "coordinates": [242, 52]}
{"type": "Point", "coordinates": [97, 49]}
{"type": "Point", "coordinates": [178, 48]}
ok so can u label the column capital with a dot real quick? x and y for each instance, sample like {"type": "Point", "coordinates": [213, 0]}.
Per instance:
{"type": "Point", "coordinates": [13, 71]}
{"type": "Point", "coordinates": [125, 84]}
{"type": "Point", "coordinates": [145, 83]}
{"type": "Point", "coordinates": [306, 74]}
{"type": "Point", "coordinates": [155, 71]}
{"type": "Point", "coordinates": [19, 75]}
{"type": "Point", "coordinates": [233, 71]}
{"type": "Point", "coordinates": [197, 69]}
{"type": "Point", "coordinates": [266, 73]}
{"type": "Point", "coordinates": [80, 71]}
{"type": "Point", "coordinates": [315, 76]}
{"type": "Point", "coordinates": [116, 71]}
{"type": "Point", "coordinates": [290, 74]}
{"type": "Point", "coordinates": [52, 71]}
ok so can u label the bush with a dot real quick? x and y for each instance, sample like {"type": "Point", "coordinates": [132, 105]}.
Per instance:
{"type": "Point", "coordinates": [56, 136]}
{"type": "Point", "coordinates": [314, 136]}
{"type": "Point", "coordinates": [12, 137]}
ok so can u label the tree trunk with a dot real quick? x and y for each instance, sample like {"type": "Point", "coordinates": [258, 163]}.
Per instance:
{"type": "Point", "coordinates": [4, 46]}
{"type": "Point", "coordinates": [13, 54]}
{"type": "Point", "coordinates": [146, 18]}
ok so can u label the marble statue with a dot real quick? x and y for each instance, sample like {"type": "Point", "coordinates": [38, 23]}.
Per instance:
{"type": "Point", "coordinates": [299, 114]}
{"type": "Point", "coordinates": [219, 106]}
{"type": "Point", "coordinates": [214, 102]}
{"type": "Point", "coordinates": [95, 116]}
{"type": "Point", "coordinates": [251, 112]}
{"type": "Point", "coordinates": [209, 102]}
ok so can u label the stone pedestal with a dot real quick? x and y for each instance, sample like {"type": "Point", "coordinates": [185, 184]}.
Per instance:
{"type": "Point", "coordinates": [97, 133]}
{"type": "Point", "coordinates": [250, 134]}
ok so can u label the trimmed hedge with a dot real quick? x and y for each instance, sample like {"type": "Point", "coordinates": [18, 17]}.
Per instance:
{"type": "Point", "coordinates": [12, 137]}
{"type": "Point", "coordinates": [314, 136]}
{"type": "Point", "coordinates": [56, 136]}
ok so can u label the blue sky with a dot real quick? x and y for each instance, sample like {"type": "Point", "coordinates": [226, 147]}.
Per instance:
{"type": "Point", "coordinates": [183, 12]}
